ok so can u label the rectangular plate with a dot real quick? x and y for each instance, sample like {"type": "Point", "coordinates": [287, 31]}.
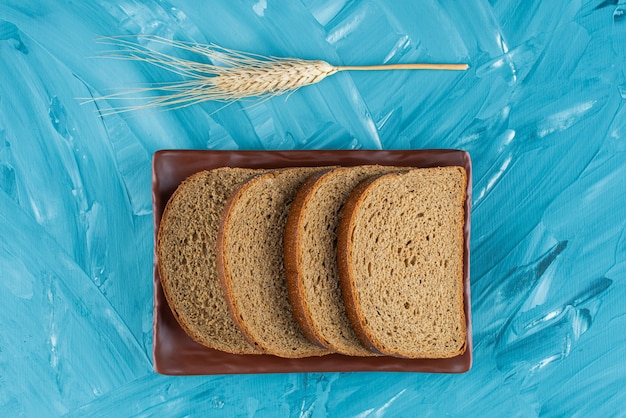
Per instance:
{"type": "Point", "coordinates": [175, 353]}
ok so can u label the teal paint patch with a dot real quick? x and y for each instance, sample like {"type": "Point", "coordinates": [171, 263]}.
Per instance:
{"type": "Point", "coordinates": [541, 110]}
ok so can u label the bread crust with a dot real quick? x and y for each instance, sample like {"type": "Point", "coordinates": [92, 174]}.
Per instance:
{"type": "Point", "coordinates": [344, 262]}
{"type": "Point", "coordinates": [163, 274]}
{"type": "Point", "coordinates": [461, 249]}
{"type": "Point", "coordinates": [223, 270]}
{"type": "Point", "coordinates": [341, 338]}
{"type": "Point", "coordinates": [225, 273]}
{"type": "Point", "coordinates": [293, 262]}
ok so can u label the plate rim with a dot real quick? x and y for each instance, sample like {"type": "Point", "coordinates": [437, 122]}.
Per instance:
{"type": "Point", "coordinates": [163, 185]}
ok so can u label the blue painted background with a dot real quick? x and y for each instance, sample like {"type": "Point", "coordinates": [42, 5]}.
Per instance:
{"type": "Point", "coordinates": [542, 111]}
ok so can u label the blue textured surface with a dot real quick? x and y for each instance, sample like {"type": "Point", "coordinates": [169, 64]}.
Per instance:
{"type": "Point", "coordinates": [542, 112]}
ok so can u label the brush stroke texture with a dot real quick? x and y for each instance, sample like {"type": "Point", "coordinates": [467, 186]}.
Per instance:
{"type": "Point", "coordinates": [542, 110]}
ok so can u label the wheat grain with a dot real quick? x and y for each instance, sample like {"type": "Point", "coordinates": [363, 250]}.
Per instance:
{"type": "Point", "coordinates": [225, 75]}
{"type": "Point", "coordinates": [272, 79]}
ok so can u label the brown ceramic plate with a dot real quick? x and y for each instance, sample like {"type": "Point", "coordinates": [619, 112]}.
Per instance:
{"type": "Point", "coordinates": [175, 353]}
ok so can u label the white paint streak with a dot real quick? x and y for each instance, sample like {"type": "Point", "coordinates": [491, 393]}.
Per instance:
{"type": "Point", "coordinates": [563, 120]}
{"type": "Point", "coordinates": [259, 7]}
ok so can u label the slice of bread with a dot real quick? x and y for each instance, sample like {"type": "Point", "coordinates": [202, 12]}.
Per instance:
{"type": "Point", "coordinates": [250, 263]}
{"type": "Point", "coordinates": [310, 258]}
{"type": "Point", "coordinates": [186, 249]}
{"type": "Point", "coordinates": [400, 256]}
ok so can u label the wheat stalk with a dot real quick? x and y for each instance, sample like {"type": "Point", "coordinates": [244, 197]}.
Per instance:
{"type": "Point", "coordinates": [227, 75]}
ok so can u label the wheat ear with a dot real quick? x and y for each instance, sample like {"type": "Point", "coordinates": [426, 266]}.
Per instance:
{"type": "Point", "coordinates": [226, 75]}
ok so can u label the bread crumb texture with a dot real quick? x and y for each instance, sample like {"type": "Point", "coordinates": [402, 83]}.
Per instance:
{"type": "Point", "coordinates": [405, 268]}
{"type": "Point", "coordinates": [186, 251]}
{"type": "Point", "coordinates": [315, 249]}
{"type": "Point", "coordinates": [254, 272]}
